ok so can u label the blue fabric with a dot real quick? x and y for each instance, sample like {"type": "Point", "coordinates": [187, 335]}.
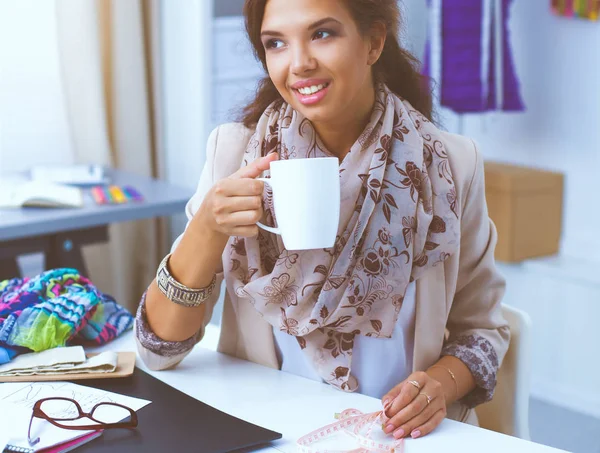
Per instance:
{"type": "Point", "coordinates": [6, 354]}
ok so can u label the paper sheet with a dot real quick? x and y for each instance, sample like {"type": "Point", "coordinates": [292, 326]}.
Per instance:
{"type": "Point", "coordinates": [6, 427]}
{"type": "Point", "coordinates": [59, 361]}
{"type": "Point", "coordinates": [70, 174]}
{"type": "Point", "coordinates": [18, 400]}
{"type": "Point", "coordinates": [11, 415]}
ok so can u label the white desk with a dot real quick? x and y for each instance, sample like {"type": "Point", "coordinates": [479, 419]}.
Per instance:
{"type": "Point", "coordinates": [295, 406]}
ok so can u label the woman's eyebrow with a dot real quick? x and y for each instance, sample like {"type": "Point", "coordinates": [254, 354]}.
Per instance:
{"type": "Point", "coordinates": [323, 22]}
{"type": "Point", "coordinates": [310, 27]}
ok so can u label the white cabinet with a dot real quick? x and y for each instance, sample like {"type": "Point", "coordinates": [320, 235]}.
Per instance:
{"type": "Point", "coordinates": [236, 71]}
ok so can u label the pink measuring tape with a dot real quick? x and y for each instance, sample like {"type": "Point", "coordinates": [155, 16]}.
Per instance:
{"type": "Point", "coordinates": [359, 426]}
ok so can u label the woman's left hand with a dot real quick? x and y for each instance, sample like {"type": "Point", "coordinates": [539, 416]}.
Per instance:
{"type": "Point", "coordinates": [418, 406]}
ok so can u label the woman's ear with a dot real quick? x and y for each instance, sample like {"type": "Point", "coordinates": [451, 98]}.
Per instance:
{"type": "Point", "coordinates": [377, 35]}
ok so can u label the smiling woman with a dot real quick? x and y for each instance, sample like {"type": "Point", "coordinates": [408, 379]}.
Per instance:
{"type": "Point", "coordinates": [326, 42]}
{"type": "Point", "coordinates": [413, 258]}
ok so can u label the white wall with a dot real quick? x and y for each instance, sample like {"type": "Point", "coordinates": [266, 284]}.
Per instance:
{"type": "Point", "coordinates": [558, 63]}
{"type": "Point", "coordinates": [414, 25]}
{"type": "Point", "coordinates": [187, 75]}
{"type": "Point", "coordinates": [33, 122]}
{"type": "Point", "coordinates": [187, 66]}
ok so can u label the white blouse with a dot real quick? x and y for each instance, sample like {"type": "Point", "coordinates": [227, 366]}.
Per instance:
{"type": "Point", "coordinates": [379, 364]}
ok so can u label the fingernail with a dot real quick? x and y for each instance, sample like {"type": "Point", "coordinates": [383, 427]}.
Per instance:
{"type": "Point", "coordinates": [415, 434]}
{"type": "Point", "coordinates": [386, 402]}
{"type": "Point", "coordinates": [389, 428]}
{"type": "Point", "coordinates": [399, 433]}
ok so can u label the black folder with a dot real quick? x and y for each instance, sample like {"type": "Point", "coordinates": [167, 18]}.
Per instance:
{"type": "Point", "coordinates": [173, 421]}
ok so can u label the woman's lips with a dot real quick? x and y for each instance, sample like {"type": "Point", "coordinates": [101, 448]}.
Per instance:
{"type": "Point", "coordinates": [312, 98]}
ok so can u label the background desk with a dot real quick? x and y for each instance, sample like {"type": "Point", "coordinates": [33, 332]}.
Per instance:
{"type": "Point", "coordinates": [295, 406]}
{"type": "Point", "coordinates": [60, 233]}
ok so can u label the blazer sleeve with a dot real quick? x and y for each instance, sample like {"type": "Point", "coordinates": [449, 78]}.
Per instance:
{"type": "Point", "coordinates": [156, 353]}
{"type": "Point", "coordinates": [478, 333]}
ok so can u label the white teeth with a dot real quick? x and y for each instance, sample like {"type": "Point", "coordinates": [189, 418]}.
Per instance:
{"type": "Point", "coordinates": [311, 90]}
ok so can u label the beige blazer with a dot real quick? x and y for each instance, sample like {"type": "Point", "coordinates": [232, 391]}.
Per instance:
{"type": "Point", "coordinates": [460, 297]}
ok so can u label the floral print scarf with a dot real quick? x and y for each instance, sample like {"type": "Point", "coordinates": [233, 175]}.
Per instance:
{"type": "Point", "coordinates": [399, 217]}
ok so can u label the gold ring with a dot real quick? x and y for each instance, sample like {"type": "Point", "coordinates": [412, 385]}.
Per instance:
{"type": "Point", "coordinates": [416, 384]}
{"type": "Point", "coordinates": [429, 399]}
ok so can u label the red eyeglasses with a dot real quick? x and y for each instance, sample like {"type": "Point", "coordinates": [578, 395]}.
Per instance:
{"type": "Point", "coordinates": [67, 414]}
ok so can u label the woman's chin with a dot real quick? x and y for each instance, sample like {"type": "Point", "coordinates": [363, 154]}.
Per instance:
{"type": "Point", "coordinates": [320, 114]}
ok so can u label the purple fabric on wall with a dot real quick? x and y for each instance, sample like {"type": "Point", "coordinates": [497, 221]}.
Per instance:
{"type": "Point", "coordinates": [512, 97]}
{"type": "Point", "coordinates": [461, 87]}
{"type": "Point", "coordinates": [461, 55]}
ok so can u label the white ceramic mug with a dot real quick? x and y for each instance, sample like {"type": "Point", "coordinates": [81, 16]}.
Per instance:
{"type": "Point", "coordinates": [306, 198]}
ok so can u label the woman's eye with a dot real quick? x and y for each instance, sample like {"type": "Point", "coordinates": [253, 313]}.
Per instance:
{"type": "Point", "coordinates": [321, 34]}
{"type": "Point", "coordinates": [273, 44]}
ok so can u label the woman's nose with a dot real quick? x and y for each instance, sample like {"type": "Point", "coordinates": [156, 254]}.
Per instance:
{"type": "Point", "coordinates": [302, 60]}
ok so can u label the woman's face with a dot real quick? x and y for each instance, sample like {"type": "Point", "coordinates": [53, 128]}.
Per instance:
{"type": "Point", "coordinates": [318, 60]}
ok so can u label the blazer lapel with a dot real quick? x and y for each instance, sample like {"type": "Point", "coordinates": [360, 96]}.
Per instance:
{"type": "Point", "coordinates": [259, 334]}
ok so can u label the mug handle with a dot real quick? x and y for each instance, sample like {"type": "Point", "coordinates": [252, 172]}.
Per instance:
{"type": "Point", "coordinates": [262, 225]}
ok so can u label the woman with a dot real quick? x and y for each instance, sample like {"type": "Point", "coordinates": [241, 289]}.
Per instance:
{"type": "Point", "coordinates": [406, 305]}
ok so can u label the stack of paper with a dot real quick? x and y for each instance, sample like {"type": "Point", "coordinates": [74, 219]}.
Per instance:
{"type": "Point", "coordinates": [68, 360]}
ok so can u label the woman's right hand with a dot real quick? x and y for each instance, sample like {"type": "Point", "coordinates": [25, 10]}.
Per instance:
{"type": "Point", "coordinates": [234, 205]}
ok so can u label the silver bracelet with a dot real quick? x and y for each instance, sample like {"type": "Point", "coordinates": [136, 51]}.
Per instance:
{"type": "Point", "coordinates": [178, 293]}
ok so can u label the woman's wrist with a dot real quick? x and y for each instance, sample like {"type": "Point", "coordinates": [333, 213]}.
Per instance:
{"type": "Point", "coordinates": [198, 256]}
{"type": "Point", "coordinates": [454, 376]}
{"type": "Point", "coordinates": [449, 393]}
{"type": "Point", "coordinates": [442, 374]}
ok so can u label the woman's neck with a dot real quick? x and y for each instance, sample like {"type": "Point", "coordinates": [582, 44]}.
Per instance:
{"type": "Point", "coordinates": [339, 137]}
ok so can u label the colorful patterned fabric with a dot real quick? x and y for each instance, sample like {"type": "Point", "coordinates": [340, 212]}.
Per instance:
{"type": "Point", "coordinates": [56, 308]}
{"type": "Point", "coordinates": [583, 9]}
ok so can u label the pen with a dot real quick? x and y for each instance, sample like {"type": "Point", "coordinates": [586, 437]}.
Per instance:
{"type": "Point", "coordinates": [117, 194]}
{"type": "Point", "coordinates": [134, 194]}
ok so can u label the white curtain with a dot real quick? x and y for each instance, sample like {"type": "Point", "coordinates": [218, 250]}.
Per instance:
{"type": "Point", "coordinates": [108, 51]}
{"type": "Point", "coordinates": [33, 127]}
